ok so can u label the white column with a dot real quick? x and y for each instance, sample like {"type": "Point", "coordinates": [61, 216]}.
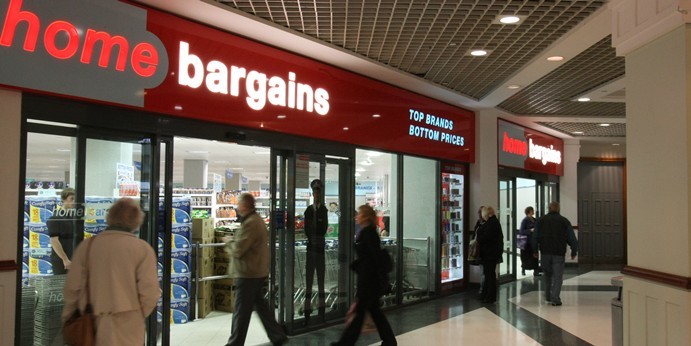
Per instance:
{"type": "Point", "coordinates": [656, 40]}
{"type": "Point", "coordinates": [568, 185]}
{"type": "Point", "coordinates": [10, 144]}
{"type": "Point", "coordinates": [196, 174]}
{"type": "Point", "coordinates": [102, 158]}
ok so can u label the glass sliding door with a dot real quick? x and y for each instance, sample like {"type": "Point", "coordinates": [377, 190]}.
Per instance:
{"type": "Point", "coordinates": [506, 215]}
{"type": "Point", "coordinates": [312, 282]}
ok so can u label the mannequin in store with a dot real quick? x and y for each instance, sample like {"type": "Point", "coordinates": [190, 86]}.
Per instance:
{"type": "Point", "coordinates": [316, 223]}
{"type": "Point", "coordinates": [62, 229]}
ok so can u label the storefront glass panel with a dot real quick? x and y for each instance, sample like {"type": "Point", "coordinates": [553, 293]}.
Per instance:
{"type": "Point", "coordinates": [420, 227]}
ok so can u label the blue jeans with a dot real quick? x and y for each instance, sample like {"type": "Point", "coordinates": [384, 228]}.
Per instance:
{"type": "Point", "coordinates": [553, 267]}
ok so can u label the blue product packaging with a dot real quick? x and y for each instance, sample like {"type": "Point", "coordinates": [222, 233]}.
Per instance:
{"type": "Point", "coordinates": [180, 262]}
{"type": "Point", "coordinates": [181, 211]}
{"type": "Point", "coordinates": [183, 230]}
{"type": "Point", "coordinates": [39, 209]}
{"type": "Point", "coordinates": [180, 242]}
{"type": "Point", "coordinates": [39, 241]}
{"type": "Point", "coordinates": [179, 312]}
{"type": "Point", "coordinates": [25, 263]}
{"type": "Point", "coordinates": [26, 215]}
{"type": "Point", "coordinates": [96, 209]}
{"type": "Point", "coordinates": [160, 269]}
{"type": "Point", "coordinates": [39, 262]}
{"type": "Point", "coordinates": [92, 229]}
{"type": "Point", "coordinates": [180, 287]}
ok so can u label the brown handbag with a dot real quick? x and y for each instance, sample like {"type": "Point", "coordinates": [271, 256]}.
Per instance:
{"type": "Point", "coordinates": [80, 328]}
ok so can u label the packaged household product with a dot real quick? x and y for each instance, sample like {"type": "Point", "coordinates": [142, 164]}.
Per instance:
{"type": "Point", "coordinates": [179, 312]}
{"type": "Point", "coordinates": [180, 242]}
{"type": "Point", "coordinates": [96, 209]}
{"type": "Point", "coordinates": [180, 262]}
{"type": "Point", "coordinates": [182, 229]}
{"type": "Point", "coordinates": [180, 288]}
{"type": "Point", "coordinates": [39, 262]}
{"type": "Point", "coordinates": [181, 209]}
{"type": "Point", "coordinates": [38, 235]}
{"type": "Point", "coordinates": [39, 209]}
{"type": "Point", "coordinates": [92, 229]}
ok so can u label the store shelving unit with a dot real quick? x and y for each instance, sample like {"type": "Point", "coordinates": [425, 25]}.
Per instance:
{"type": "Point", "coordinates": [452, 227]}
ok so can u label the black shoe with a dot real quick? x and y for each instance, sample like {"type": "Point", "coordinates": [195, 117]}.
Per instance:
{"type": "Point", "coordinates": [556, 303]}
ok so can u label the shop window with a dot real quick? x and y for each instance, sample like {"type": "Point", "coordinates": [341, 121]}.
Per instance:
{"type": "Point", "coordinates": [420, 229]}
{"type": "Point", "coordinates": [50, 172]}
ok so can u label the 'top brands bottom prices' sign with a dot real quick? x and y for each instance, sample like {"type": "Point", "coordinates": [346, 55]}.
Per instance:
{"type": "Point", "coordinates": [437, 130]}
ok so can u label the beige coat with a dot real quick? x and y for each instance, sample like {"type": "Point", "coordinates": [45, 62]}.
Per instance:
{"type": "Point", "coordinates": [123, 285]}
{"type": "Point", "coordinates": [249, 249]}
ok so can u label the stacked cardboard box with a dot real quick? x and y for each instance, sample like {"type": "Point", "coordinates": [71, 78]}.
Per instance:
{"type": "Point", "coordinates": [203, 233]}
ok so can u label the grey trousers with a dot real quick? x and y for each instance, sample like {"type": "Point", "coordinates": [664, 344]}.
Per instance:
{"type": "Point", "coordinates": [553, 267]}
{"type": "Point", "coordinates": [248, 297]}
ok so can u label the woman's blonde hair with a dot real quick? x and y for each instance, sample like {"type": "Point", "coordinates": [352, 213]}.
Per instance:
{"type": "Point", "coordinates": [125, 213]}
{"type": "Point", "coordinates": [368, 213]}
{"type": "Point", "coordinates": [487, 212]}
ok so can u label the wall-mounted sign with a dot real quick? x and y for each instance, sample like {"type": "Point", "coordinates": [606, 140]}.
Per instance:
{"type": "Point", "coordinates": [123, 53]}
{"type": "Point", "coordinates": [524, 148]}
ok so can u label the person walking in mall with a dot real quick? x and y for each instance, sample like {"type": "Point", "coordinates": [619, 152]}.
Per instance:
{"type": "Point", "coordinates": [552, 233]}
{"type": "Point", "coordinates": [316, 224]}
{"type": "Point", "coordinates": [249, 268]}
{"type": "Point", "coordinates": [527, 230]}
{"type": "Point", "coordinates": [122, 278]}
{"type": "Point", "coordinates": [369, 289]}
{"type": "Point", "coordinates": [491, 240]}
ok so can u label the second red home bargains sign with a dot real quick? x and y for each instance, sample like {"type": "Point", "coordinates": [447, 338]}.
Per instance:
{"type": "Point", "coordinates": [523, 148]}
{"type": "Point", "coordinates": [121, 53]}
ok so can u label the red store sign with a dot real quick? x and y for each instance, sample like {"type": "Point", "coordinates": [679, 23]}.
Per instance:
{"type": "Point", "coordinates": [524, 148]}
{"type": "Point", "coordinates": [120, 53]}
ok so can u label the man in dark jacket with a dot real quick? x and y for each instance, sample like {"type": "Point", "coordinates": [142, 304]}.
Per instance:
{"type": "Point", "coordinates": [490, 239]}
{"type": "Point", "coordinates": [316, 223]}
{"type": "Point", "coordinates": [552, 233]}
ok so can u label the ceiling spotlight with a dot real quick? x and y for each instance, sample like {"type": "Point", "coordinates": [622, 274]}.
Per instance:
{"type": "Point", "coordinates": [577, 132]}
{"type": "Point", "coordinates": [615, 144]}
{"type": "Point", "coordinates": [478, 52]}
{"type": "Point", "coordinates": [452, 44]}
{"type": "Point", "coordinates": [555, 58]}
{"type": "Point", "coordinates": [583, 99]}
{"type": "Point", "coordinates": [604, 125]}
{"type": "Point", "coordinates": [513, 86]}
{"type": "Point", "coordinates": [509, 19]}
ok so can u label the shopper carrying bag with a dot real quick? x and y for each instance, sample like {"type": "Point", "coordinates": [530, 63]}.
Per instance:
{"type": "Point", "coordinates": [79, 329]}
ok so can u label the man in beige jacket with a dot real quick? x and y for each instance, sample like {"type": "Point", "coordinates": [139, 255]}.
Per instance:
{"type": "Point", "coordinates": [249, 268]}
{"type": "Point", "coordinates": [123, 283]}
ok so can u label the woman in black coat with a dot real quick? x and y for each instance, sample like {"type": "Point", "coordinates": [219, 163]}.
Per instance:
{"type": "Point", "coordinates": [369, 281]}
{"type": "Point", "coordinates": [490, 242]}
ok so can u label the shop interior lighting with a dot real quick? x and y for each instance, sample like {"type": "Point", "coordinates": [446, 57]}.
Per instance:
{"type": "Point", "coordinates": [604, 125]}
{"type": "Point", "coordinates": [63, 150]}
{"type": "Point", "coordinates": [198, 151]}
{"type": "Point", "coordinates": [367, 162]}
{"type": "Point", "coordinates": [555, 58]}
{"type": "Point", "coordinates": [583, 99]}
{"type": "Point", "coordinates": [577, 132]}
{"type": "Point", "coordinates": [373, 154]}
{"type": "Point", "coordinates": [360, 169]}
{"type": "Point", "coordinates": [357, 174]}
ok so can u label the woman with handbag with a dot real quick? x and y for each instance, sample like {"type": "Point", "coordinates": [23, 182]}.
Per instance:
{"type": "Point", "coordinates": [528, 262]}
{"type": "Point", "coordinates": [369, 281]}
{"type": "Point", "coordinates": [491, 241]}
{"type": "Point", "coordinates": [115, 273]}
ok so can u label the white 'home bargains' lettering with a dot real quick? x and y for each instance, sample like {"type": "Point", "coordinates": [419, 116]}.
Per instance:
{"type": "Point", "coordinates": [544, 154]}
{"type": "Point", "coordinates": [221, 79]}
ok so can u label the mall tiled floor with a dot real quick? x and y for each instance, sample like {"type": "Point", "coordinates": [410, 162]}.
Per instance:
{"type": "Point", "coordinates": [520, 317]}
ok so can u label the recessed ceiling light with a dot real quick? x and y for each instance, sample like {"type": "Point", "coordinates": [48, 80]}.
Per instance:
{"type": "Point", "coordinates": [577, 132]}
{"type": "Point", "coordinates": [376, 115]}
{"type": "Point", "coordinates": [510, 19]}
{"type": "Point", "coordinates": [478, 52]}
{"type": "Point", "coordinates": [63, 150]}
{"type": "Point", "coordinates": [513, 86]}
{"type": "Point", "coordinates": [604, 125]}
{"type": "Point", "coordinates": [555, 58]}
{"type": "Point", "coordinates": [615, 144]}
{"type": "Point", "coordinates": [281, 116]}
{"type": "Point", "coordinates": [452, 43]}
{"type": "Point", "coordinates": [583, 99]}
